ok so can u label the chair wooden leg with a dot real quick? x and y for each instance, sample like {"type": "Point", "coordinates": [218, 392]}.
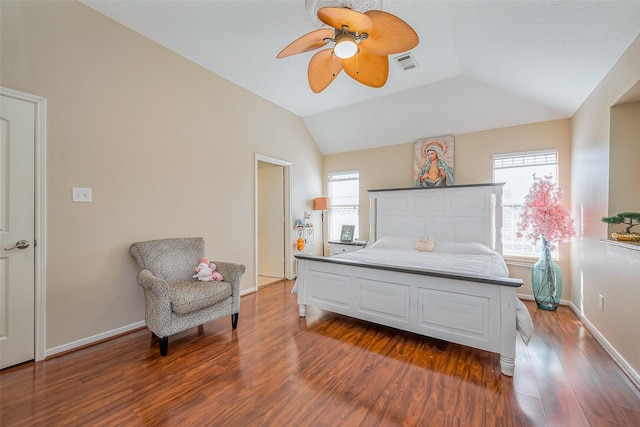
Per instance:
{"type": "Point", "coordinates": [234, 320]}
{"type": "Point", "coordinates": [164, 346]}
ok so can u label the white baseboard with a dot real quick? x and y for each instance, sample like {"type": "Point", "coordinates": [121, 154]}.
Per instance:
{"type": "Point", "coordinates": [617, 358]}
{"type": "Point", "coordinates": [248, 291]}
{"type": "Point", "coordinates": [626, 368]}
{"type": "Point", "coordinates": [90, 340]}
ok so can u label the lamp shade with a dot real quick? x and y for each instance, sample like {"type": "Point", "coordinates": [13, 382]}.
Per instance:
{"type": "Point", "coordinates": [321, 204]}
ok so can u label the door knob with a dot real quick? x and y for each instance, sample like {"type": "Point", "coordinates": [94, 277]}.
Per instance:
{"type": "Point", "coordinates": [20, 244]}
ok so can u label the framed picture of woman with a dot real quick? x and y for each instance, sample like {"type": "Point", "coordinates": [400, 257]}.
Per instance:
{"type": "Point", "coordinates": [346, 235]}
{"type": "Point", "coordinates": [433, 162]}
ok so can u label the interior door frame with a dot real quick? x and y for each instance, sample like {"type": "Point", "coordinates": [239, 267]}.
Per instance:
{"type": "Point", "coordinates": [40, 214]}
{"type": "Point", "coordinates": [287, 214]}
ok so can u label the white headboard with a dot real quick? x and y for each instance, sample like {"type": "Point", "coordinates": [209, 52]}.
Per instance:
{"type": "Point", "coordinates": [459, 213]}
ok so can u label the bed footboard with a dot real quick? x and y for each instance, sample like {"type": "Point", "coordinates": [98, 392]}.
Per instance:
{"type": "Point", "coordinates": [475, 312]}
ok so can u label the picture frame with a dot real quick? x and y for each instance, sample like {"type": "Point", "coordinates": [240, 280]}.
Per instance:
{"type": "Point", "coordinates": [433, 162]}
{"type": "Point", "coordinates": [346, 235]}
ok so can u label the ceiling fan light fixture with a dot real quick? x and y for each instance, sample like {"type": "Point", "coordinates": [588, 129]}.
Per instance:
{"type": "Point", "coordinates": [345, 46]}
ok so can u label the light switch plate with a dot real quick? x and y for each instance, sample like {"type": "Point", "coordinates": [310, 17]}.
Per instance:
{"type": "Point", "coordinates": [82, 195]}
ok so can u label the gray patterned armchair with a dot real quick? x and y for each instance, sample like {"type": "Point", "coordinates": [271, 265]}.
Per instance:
{"type": "Point", "coordinates": [174, 300]}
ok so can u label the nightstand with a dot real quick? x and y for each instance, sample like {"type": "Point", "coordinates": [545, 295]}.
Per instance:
{"type": "Point", "coordinates": [337, 247]}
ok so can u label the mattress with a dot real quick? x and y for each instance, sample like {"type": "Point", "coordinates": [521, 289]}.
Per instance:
{"type": "Point", "coordinates": [466, 258]}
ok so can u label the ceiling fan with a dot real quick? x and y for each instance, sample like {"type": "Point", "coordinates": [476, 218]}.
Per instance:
{"type": "Point", "coordinates": [362, 42]}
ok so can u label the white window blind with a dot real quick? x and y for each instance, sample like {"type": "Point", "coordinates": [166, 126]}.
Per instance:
{"type": "Point", "coordinates": [516, 171]}
{"type": "Point", "coordinates": [344, 193]}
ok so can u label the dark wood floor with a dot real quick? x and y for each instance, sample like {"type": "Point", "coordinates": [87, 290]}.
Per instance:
{"type": "Point", "coordinates": [326, 370]}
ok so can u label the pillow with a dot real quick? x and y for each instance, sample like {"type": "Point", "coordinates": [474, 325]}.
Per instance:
{"type": "Point", "coordinates": [394, 242]}
{"type": "Point", "coordinates": [425, 244]}
{"type": "Point", "coordinates": [464, 248]}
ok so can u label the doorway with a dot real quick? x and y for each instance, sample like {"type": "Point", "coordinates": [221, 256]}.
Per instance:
{"type": "Point", "coordinates": [272, 217]}
{"type": "Point", "coordinates": [22, 258]}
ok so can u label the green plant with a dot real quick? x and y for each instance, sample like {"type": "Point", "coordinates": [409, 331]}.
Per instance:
{"type": "Point", "coordinates": [630, 219]}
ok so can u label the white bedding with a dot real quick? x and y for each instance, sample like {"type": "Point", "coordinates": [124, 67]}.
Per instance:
{"type": "Point", "coordinates": [472, 259]}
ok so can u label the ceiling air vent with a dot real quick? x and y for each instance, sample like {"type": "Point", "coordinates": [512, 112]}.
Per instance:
{"type": "Point", "coordinates": [406, 61]}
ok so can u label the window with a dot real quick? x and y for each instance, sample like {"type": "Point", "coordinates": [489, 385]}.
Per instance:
{"type": "Point", "coordinates": [516, 171]}
{"type": "Point", "coordinates": [344, 194]}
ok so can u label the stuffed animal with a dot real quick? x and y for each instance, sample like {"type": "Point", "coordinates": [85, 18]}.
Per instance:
{"type": "Point", "coordinates": [206, 271]}
{"type": "Point", "coordinates": [425, 244]}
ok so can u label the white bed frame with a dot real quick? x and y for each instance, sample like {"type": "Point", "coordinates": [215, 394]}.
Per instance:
{"type": "Point", "coordinates": [479, 312]}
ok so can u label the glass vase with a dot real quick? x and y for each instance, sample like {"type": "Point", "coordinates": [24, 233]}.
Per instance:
{"type": "Point", "coordinates": [546, 280]}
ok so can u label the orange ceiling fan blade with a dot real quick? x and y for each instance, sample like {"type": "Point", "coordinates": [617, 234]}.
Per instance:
{"type": "Point", "coordinates": [389, 34]}
{"type": "Point", "coordinates": [323, 69]}
{"type": "Point", "coordinates": [310, 41]}
{"type": "Point", "coordinates": [336, 17]}
{"type": "Point", "coordinates": [367, 68]}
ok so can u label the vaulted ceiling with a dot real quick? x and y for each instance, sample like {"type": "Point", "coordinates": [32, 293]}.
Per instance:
{"type": "Point", "coordinates": [481, 64]}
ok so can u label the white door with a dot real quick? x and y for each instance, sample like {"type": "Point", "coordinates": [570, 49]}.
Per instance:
{"type": "Point", "coordinates": [271, 221]}
{"type": "Point", "coordinates": [17, 231]}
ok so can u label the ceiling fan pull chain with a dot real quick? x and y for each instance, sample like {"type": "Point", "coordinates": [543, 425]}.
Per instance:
{"type": "Point", "coordinates": [333, 63]}
{"type": "Point", "coordinates": [357, 66]}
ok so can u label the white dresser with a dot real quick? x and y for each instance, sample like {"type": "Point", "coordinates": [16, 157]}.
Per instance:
{"type": "Point", "coordinates": [337, 247]}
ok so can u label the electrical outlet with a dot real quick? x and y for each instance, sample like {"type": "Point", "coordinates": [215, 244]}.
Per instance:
{"type": "Point", "coordinates": [82, 195]}
{"type": "Point", "coordinates": [601, 302]}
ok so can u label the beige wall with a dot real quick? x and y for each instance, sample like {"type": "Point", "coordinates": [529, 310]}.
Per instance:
{"type": "Point", "coordinates": [598, 268]}
{"type": "Point", "coordinates": [270, 225]}
{"type": "Point", "coordinates": [167, 147]}
{"type": "Point", "coordinates": [624, 160]}
{"type": "Point", "coordinates": [392, 167]}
